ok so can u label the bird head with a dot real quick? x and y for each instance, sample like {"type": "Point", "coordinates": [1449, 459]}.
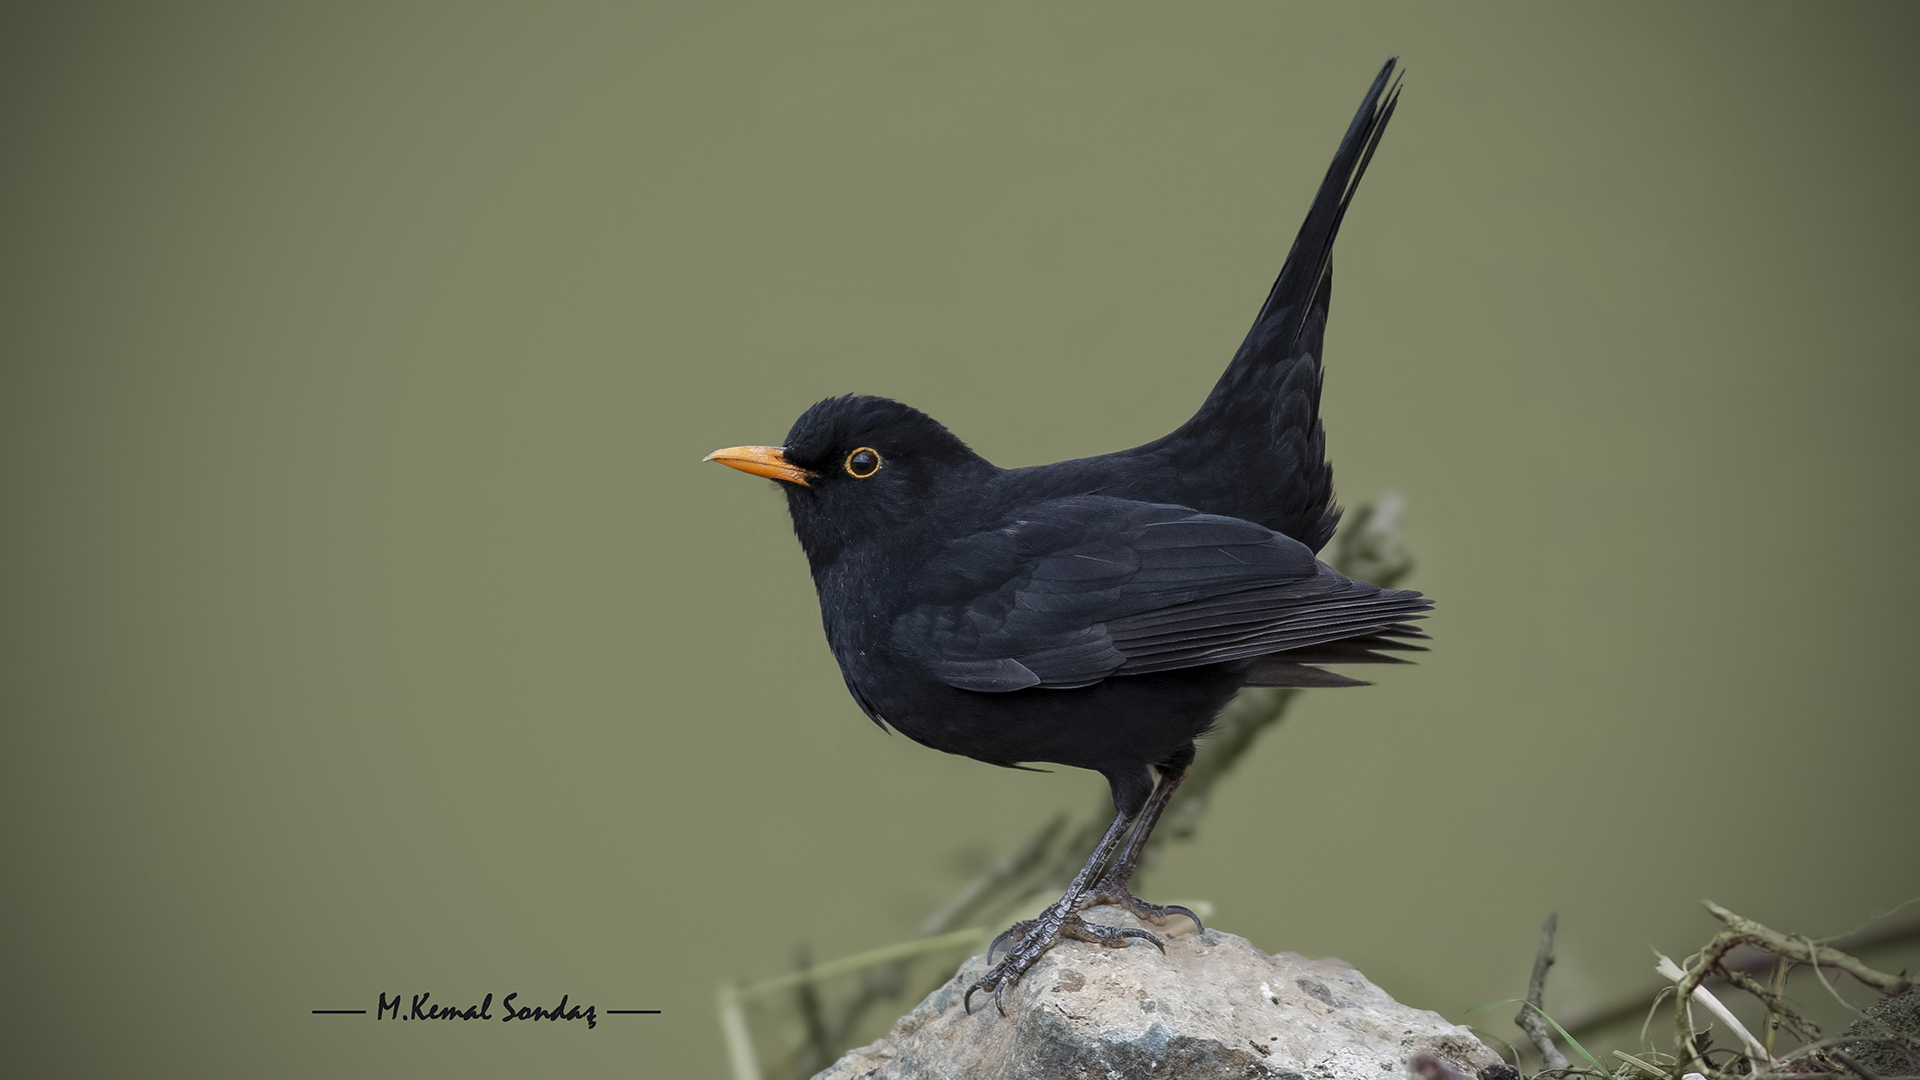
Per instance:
{"type": "Point", "coordinates": [859, 466]}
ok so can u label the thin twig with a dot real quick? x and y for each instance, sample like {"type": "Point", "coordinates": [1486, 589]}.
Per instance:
{"type": "Point", "coordinates": [1778, 1011]}
{"type": "Point", "coordinates": [733, 1026]}
{"type": "Point", "coordinates": [846, 965]}
{"type": "Point", "coordinates": [1368, 549]}
{"type": "Point", "coordinates": [1853, 1066]}
{"type": "Point", "coordinates": [817, 1052]}
{"type": "Point", "coordinates": [1528, 1019]}
{"type": "Point", "coordinates": [1689, 992]}
{"type": "Point", "coordinates": [1863, 940]}
{"type": "Point", "coordinates": [1743, 931]}
{"type": "Point", "coordinates": [1010, 865]}
{"type": "Point", "coordinates": [1642, 1064]}
{"type": "Point", "coordinates": [1778, 992]}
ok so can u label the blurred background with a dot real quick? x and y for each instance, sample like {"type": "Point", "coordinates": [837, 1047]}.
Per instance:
{"type": "Point", "coordinates": [371, 625]}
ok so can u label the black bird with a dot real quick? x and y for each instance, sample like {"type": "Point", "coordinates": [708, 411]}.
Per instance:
{"type": "Point", "coordinates": [1096, 613]}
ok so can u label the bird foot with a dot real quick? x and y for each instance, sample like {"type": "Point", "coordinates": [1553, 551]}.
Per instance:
{"type": "Point", "coordinates": [1112, 891]}
{"type": "Point", "coordinates": [1017, 932]}
{"type": "Point", "coordinates": [1034, 937]}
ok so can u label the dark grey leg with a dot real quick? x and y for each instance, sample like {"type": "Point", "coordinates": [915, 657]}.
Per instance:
{"type": "Point", "coordinates": [1059, 920]}
{"type": "Point", "coordinates": [1111, 888]}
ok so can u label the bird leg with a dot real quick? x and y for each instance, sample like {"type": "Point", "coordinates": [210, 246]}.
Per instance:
{"type": "Point", "coordinates": [1061, 919]}
{"type": "Point", "coordinates": [1112, 886]}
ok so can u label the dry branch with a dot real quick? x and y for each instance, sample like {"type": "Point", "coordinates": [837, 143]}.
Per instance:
{"type": "Point", "coordinates": [1529, 1018]}
{"type": "Point", "coordinates": [1744, 931]}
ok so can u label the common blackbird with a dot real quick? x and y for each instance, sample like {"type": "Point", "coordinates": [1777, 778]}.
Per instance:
{"type": "Point", "coordinates": [1096, 613]}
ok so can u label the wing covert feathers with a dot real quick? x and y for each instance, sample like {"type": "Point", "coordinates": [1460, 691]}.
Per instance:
{"type": "Point", "coordinates": [1089, 587]}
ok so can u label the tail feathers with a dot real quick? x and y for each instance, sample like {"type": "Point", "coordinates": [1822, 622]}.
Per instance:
{"type": "Point", "coordinates": [1273, 671]}
{"type": "Point", "coordinates": [1295, 666]}
{"type": "Point", "coordinates": [1307, 271]}
{"type": "Point", "coordinates": [1364, 650]}
{"type": "Point", "coordinates": [1266, 407]}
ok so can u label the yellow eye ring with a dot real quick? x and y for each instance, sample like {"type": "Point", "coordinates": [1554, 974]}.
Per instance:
{"type": "Point", "coordinates": [863, 462]}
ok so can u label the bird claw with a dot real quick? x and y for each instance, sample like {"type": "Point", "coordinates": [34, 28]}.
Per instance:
{"type": "Point", "coordinates": [1107, 892]}
{"type": "Point", "coordinates": [999, 1000]}
{"type": "Point", "coordinates": [1130, 932]}
{"type": "Point", "coordinates": [1035, 937]}
{"type": "Point", "coordinates": [1016, 931]}
{"type": "Point", "coordinates": [1176, 909]}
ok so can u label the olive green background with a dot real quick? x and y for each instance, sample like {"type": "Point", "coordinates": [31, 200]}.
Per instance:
{"type": "Point", "coordinates": [370, 623]}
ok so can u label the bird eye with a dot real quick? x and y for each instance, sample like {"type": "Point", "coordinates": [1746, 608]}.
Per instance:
{"type": "Point", "coordinates": [863, 463]}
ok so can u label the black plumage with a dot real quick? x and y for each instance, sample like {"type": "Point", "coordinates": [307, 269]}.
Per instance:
{"type": "Point", "coordinates": [1097, 613]}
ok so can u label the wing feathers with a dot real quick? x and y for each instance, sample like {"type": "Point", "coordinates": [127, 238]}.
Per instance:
{"type": "Point", "coordinates": [1084, 588]}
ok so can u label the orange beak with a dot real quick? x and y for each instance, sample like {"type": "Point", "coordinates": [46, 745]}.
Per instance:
{"type": "Point", "coordinates": [768, 461]}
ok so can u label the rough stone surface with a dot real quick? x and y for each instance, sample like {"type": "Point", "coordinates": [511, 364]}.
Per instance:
{"type": "Point", "coordinates": [1213, 1007]}
{"type": "Point", "coordinates": [1885, 1042]}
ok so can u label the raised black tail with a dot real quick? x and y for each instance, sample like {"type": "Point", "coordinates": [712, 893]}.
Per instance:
{"type": "Point", "coordinates": [1271, 391]}
{"type": "Point", "coordinates": [1282, 322]}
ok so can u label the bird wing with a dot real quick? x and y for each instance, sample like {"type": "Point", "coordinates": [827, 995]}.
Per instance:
{"type": "Point", "coordinates": [1074, 590]}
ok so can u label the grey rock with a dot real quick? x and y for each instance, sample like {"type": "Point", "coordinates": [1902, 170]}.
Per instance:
{"type": "Point", "coordinates": [1214, 1007]}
